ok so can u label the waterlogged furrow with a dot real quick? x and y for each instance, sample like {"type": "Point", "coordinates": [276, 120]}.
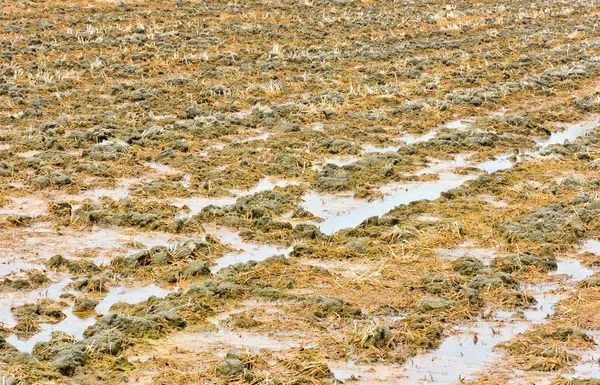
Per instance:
{"type": "Point", "coordinates": [465, 354]}
{"type": "Point", "coordinates": [344, 211]}
{"type": "Point", "coordinates": [74, 324]}
{"type": "Point", "coordinates": [338, 212]}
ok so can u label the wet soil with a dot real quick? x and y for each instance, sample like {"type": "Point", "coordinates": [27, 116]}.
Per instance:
{"type": "Point", "coordinates": [314, 192]}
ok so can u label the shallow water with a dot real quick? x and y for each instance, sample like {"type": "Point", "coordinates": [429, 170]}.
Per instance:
{"type": "Point", "coordinates": [343, 211]}
{"type": "Point", "coordinates": [29, 206]}
{"type": "Point", "coordinates": [162, 168]}
{"type": "Point", "coordinates": [266, 184]}
{"type": "Point", "coordinates": [9, 300]}
{"type": "Point", "coordinates": [436, 166]}
{"type": "Point", "coordinates": [248, 251]}
{"type": "Point", "coordinates": [71, 324]}
{"type": "Point", "coordinates": [501, 162]}
{"type": "Point", "coordinates": [411, 139]}
{"type": "Point", "coordinates": [459, 124]}
{"type": "Point", "coordinates": [369, 148]}
{"type": "Point", "coordinates": [589, 367]}
{"type": "Point", "coordinates": [227, 339]}
{"type": "Point", "coordinates": [196, 204]}
{"type": "Point", "coordinates": [461, 357]}
{"type": "Point", "coordinates": [11, 265]}
{"type": "Point", "coordinates": [130, 295]}
{"type": "Point", "coordinates": [217, 147]}
{"type": "Point", "coordinates": [569, 134]}
{"type": "Point", "coordinates": [408, 139]}
{"type": "Point", "coordinates": [74, 325]}
{"type": "Point", "coordinates": [72, 244]}
{"type": "Point", "coordinates": [458, 356]}
{"type": "Point", "coordinates": [591, 246]}
{"type": "Point", "coordinates": [574, 269]}
{"type": "Point", "coordinates": [405, 139]}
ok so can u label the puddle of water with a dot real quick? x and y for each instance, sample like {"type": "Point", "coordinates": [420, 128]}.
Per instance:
{"type": "Point", "coordinates": [217, 147]}
{"type": "Point", "coordinates": [9, 266]}
{"type": "Point", "coordinates": [574, 269]}
{"type": "Point", "coordinates": [45, 242]}
{"type": "Point", "coordinates": [437, 166]}
{"type": "Point", "coordinates": [130, 295]}
{"type": "Point", "coordinates": [164, 169]}
{"type": "Point", "coordinates": [248, 251]}
{"type": "Point", "coordinates": [268, 184]}
{"type": "Point", "coordinates": [570, 133]}
{"type": "Point", "coordinates": [589, 367]}
{"type": "Point", "coordinates": [254, 341]}
{"type": "Point", "coordinates": [406, 139]}
{"type": "Point", "coordinates": [121, 191]}
{"type": "Point", "coordinates": [9, 300]}
{"type": "Point", "coordinates": [98, 238]}
{"type": "Point", "coordinates": [461, 356]}
{"type": "Point", "coordinates": [501, 162]}
{"type": "Point", "coordinates": [544, 307]}
{"type": "Point", "coordinates": [73, 324]}
{"type": "Point", "coordinates": [591, 246]}
{"type": "Point", "coordinates": [196, 204]}
{"type": "Point", "coordinates": [459, 125]}
{"type": "Point", "coordinates": [411, 139]}
{"type": "Point", "coordinates": [369, 148]}
{"type": "Point", "coordinates": [343, 211]}
{"type": "Point", "coordinates": [25, 206]}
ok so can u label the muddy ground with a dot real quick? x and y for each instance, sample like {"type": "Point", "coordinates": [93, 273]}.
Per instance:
{"type": "Point", "coordinates": [299, 192]}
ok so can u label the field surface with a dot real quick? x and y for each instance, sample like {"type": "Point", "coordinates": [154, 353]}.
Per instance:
{"type": "Point", "coordinates": [299, 192]}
